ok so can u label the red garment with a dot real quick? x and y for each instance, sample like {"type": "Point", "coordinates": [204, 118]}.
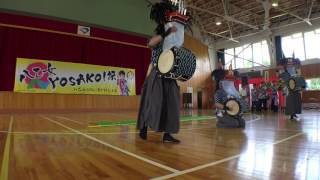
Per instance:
{"type": "Point", "coordinates": [281, 99]}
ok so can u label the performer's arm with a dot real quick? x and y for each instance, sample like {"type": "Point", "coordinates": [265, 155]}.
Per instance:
{"type": "Point", "coordinates": [218, 102]}
{"type": "Point", "coordinates": [149, 70]}
{"type": "Point", "coordinates": [219, 105]}
{"type": "Point", "coordinates": [155, 40]}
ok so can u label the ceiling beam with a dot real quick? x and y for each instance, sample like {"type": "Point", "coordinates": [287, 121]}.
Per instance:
{"type": "Point", "coordinates": [227, 14]}
{"type": "Point", "coordinates": [228, 18]}
{"type": "Point", "coordinates": [310, 9]}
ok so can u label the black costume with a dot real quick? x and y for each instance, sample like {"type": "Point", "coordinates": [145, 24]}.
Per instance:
{"type": "Point", "coordinates": [160, 102]}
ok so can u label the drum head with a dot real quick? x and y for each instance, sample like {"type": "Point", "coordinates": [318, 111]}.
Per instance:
{"type": "Point", "coordinates": [166, 61]}
{"type": "Point", "coordinates": [292, 84]}
{"type": "Point", "coordinates": [234, 107]}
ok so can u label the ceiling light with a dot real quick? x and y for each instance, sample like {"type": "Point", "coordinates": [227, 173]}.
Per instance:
{"type": "Point", "coordinates": [218, 21]}
{"type": "Point", "coordinates": [275, 3]}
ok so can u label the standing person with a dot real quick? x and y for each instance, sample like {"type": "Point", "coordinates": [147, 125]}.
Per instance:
{"type": "Point", "coordinates": [263, 96]}
{"type": "Point", "coordinates": [254, 98]}
{"type": "Point", "coordinates": [160, 102]}
{"type": "Point", "coordinates": [219, 73]}
{"type": "Point", "coordinates": [293, 95]}
{"type": "Point", "coordinates": [274, 97]}
{"type": "Point", "coordinates": [293, 105]}
{"type": "Point", "coordinates": [281, 94]}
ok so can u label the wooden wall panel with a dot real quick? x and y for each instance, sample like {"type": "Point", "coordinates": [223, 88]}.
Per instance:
{"type": "Point", "coordinates": [201, 80]}
{"type": "Point", "coordinates": [311, 71]}
{"type": "Point", "coordinates": [311, 96]}
{"type": "Point", "coordinates": [10, 101]}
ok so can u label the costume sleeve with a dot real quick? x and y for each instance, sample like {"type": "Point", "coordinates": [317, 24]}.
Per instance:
{"type": "Point", "coordinates": [156, 51]}
{"type": "Point", "coordinates": [218, 97]}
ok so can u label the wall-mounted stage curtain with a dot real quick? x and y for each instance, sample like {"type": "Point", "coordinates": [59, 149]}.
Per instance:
{"type": "Point", "coordinates": [49, 46]}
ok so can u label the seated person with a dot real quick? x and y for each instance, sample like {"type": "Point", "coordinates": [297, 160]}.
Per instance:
{"type": "Point", "coordinates": [225, 120]}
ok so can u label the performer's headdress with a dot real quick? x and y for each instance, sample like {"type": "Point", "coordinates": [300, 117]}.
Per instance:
{"type": "Point", "coordinates": [289, 62]}
{"type": "Point", "coordinates": [169, 10]}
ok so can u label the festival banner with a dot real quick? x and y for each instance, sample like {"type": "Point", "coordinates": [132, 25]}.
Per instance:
{"type": "Point", "coordinates": [42, 76]}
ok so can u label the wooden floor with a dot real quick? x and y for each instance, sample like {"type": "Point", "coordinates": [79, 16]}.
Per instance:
{"type": "Point", "coordinates": [62, 146]}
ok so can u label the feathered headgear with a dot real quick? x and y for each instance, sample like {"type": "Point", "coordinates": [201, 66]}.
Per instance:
{"type": "Point", "coordinates": [159, 13]}
{"type": "Point", "coordinates": [159, 10]}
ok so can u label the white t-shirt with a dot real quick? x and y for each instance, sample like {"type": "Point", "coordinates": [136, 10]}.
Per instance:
{"type": "Point", "coordinates": [175, 39]}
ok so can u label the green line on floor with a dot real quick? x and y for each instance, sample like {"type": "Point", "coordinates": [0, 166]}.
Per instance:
{"type": "Point", "coordinates": [133, 121]}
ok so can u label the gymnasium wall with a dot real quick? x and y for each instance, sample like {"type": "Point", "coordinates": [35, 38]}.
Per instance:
{"type": "Point", "coordinates": [121, 15]}
{"type": "Point", "coordinates": [53, 40]}
{"type": "Point", "coordinates": [201, 80]}
{"type": "Point", "coordinates": [29, 37]}
{"type": "Point", "coordinates": [311, 71]}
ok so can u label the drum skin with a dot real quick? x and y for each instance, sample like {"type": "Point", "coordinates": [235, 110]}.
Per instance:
{"type": "Point", "coordinates": [234, 105]}
{"type": "Point", "coordinates": [166, 62]}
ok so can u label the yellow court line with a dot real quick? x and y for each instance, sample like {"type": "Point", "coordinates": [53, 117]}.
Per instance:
{"type": "Point", "coordinates": [6, 154]}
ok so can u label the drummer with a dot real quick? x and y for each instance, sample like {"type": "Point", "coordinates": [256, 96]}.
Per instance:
{"type": "Point", "coordinates": [160, 99]}
{"type": "Point", "coordinates": [225, 120]}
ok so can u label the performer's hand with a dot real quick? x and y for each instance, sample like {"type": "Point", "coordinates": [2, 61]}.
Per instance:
{"type": "Point", "coordinates": [226, 108]}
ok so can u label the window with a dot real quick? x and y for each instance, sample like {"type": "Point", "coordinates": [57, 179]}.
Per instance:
{"type": "Point", "coordinates": [247, 55]}
{"type": "Point", "coordinates": [293, 45]}
{"type": "Point", "coordinates": [257, 53]}
{"type": "Point", "coordinates": [312, 41]}
{"type": "Point", "coordinates": [261, 54]}
{"type": "Point", "coordinates": [229, 58]}
{"type": "Point", "coordinates": [242, 57]}
{"type": "Point", "coordinates": [239, 60]}
{"type": "Point", "coordinates": [313, 84]}
{"type": "Point", "coordinates": [265, 54]}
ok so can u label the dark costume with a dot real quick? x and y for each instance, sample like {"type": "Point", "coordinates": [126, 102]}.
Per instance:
{"type": "Point", "coordinates": [263, 97]}
{"type": "Point", "coordinates": [225, 120]}
{"type": "Point", "coordinates": [225, 88]}
{"type": "Point", "coordinates": [293, 103]}
{"type": "Point", "coordinates": [160, 100]}
{"type": "Point", "coordinates": [255, 100]}
{"type": "Point", "coordinates": [274, 99]}
{"type": "Point", "coordinates": [293, 98]}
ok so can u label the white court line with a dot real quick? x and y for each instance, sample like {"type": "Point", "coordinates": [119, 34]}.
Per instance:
{"type": "Point", "coordinates": [68, 119]}
{"type": "Point", "coordinates": [254, 120]}
{"type": "Point", "coordinates": [179, 173]}
{"type": "Point", "coordinates": [113, 147]}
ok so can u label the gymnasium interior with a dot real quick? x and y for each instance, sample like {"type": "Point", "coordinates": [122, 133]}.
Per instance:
{"type": "Point", "coordinates": [74, 72]}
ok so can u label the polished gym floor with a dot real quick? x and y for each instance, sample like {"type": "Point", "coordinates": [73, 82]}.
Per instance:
{"type": "Point", "coordinates": [106, 146]}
